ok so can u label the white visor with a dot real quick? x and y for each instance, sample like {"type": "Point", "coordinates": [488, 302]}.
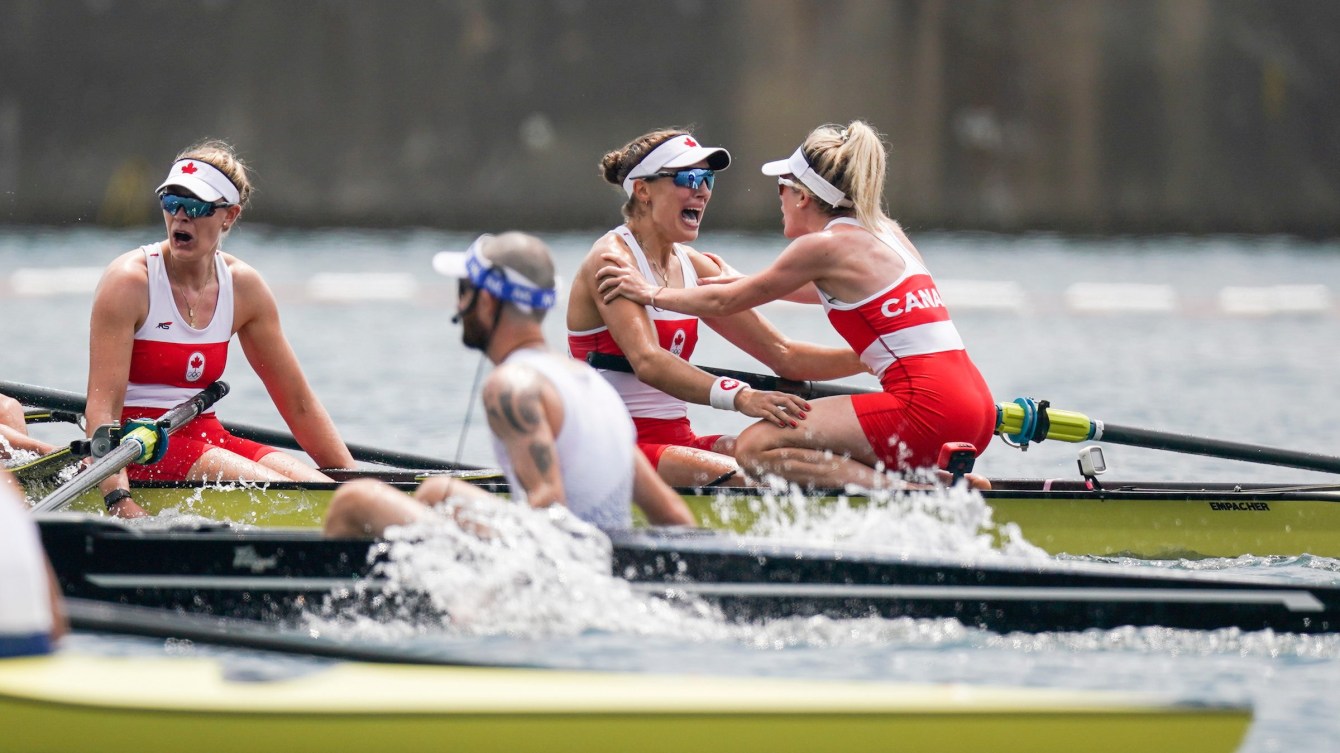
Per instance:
{"type": "Point", "coordinates": [800, 167]}
{"type": "Point", "coordinates": [206, 181]}
{"type": "Point", "coordinates": [680, 151]}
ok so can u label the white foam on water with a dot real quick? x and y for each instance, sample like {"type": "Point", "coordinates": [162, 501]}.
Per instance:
{"type": "Point", "coordinates": [953, 521]}
{"type": "Point", "coordinates": [1299, 569]}
{"type": "Point", "coordinates": [494, 568]}
{"type": "Point", "coordinates": [46, 486]}
{"type": "Point", "coordinates": [497, 569]}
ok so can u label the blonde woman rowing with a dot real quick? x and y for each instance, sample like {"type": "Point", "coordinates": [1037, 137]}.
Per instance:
{"type": "Point", "coordinates": [163, 316]}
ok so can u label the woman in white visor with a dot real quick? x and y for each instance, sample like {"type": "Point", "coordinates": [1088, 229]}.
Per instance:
{"type": "Point", "coordinates": [881, 299]}
{"type": "Point", "coordinates": [163, 316]}
{"type": "Point", "coordinates": [668, 176]}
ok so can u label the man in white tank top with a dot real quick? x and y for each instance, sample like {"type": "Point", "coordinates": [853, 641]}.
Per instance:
{"type": "Point", "coordinates": [30, 605]}
{"type": "Point", "coordinates": [560, 433]}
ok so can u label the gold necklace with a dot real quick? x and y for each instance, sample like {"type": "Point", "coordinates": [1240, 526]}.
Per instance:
{"type": "Point", "coordinates": [190, 303]}
{"type": "Point", "coordinates": [655, 268]}
{"type": "Point", "coordinates": [190, 306]}
{"type": "Point", "coordinates": [658, 269]}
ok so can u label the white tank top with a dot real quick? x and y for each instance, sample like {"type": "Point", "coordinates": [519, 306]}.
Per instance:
{"type": "Point", "coordinates": [675, 332]}
{"type": "Point", "coordinates": [171, 360]}
{"type": "Point", "coordinates": [25, 603]}
{"type": "Point", "coordinates": [594, 444]}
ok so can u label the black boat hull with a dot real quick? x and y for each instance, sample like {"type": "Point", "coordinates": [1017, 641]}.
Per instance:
{"type": "Point", "coordinates": [276, 573]}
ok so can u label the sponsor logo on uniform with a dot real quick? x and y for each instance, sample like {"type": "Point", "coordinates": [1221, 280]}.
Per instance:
{"type": "Point", "coordinates": [195, 366]}
{"type": "Point", "coordinates": [677, 341]}
{"type": "Point", "coordinates": [926, 298]}
{"type": "Point", "coordinates": [165, 325]}
{"type": "Point", "coordinates": [1247, 506]}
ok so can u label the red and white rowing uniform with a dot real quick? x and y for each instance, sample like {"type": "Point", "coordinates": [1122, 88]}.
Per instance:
{"type": "Point", "coordinates": [171, 361]}
{"type": "Point", "coordinates": [932, 391]}
{"type": "Point", "coordinates": [662, 420]}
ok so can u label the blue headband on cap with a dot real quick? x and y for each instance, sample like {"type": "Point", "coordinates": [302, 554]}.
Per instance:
{"type": "Point", "coordinates": [503, 283]}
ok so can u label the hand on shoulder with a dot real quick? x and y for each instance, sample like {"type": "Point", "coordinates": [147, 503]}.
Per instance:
{"type": "Point", "coordinates": [723, 272]}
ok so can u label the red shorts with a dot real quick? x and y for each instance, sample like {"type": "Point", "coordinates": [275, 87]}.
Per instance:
{"type": "Point", "coordinates": [654, 435]}
{"type": "Point", "coordinates": [188, 443]}
{"type": "Point", "coordinates": [920, 411]}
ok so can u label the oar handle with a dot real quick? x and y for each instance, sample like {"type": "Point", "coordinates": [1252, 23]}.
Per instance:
{"type": "Point", "coordinates": [199, 403]}
{"type": "Point", "coordinates": [806, 389]}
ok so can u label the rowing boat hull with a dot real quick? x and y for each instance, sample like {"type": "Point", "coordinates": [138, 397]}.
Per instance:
{"type": "Point", "coordinates": [273, 573]}
{"type": "Point", "coordinates": [73, 702]}
{"type": "Point", "coordinates": [1148, 521]}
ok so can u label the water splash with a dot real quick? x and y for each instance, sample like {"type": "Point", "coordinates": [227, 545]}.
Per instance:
{"type": "Point", "coordinates": [481, 568]}
{"type": "Point", "coordinates": [487, 568]}
{"type": "Point", "coordinates": [1304, 568]}
{"type": "Point", "coordinates": [937, 521]}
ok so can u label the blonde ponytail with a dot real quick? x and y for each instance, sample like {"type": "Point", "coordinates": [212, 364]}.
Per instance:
{"type": "Point", "coordinates": [853, 159]}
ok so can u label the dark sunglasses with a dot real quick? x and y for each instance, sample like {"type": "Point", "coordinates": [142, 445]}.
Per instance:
{"type": "Point", "coordinates": [692, 177]}
{"type": "Point", "coordinates": [194, 208]}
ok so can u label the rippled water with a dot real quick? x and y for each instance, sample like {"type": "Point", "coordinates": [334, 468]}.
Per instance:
{"type": "Point", "coordinates": [1223, 337]}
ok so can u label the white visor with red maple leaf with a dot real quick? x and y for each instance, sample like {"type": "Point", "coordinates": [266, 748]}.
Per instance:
{"type": "Point", "coordinates": [206, 181]}
{"type": "Point", "coordinates": [680, 151]}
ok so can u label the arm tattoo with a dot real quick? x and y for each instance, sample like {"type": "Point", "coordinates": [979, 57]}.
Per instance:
{"type": "Point", "coordinates": [523, 413]}
{"type": "Point", "coordinates": [543, 455]}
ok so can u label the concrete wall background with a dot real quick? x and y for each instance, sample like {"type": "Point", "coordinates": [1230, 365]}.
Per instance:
{"type": "Point", "coordinates": [1078, 115]}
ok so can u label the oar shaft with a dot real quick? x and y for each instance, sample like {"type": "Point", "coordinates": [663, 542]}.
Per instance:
{"type": "Point", "coordinates": [135, 444]}
{"type": "Point", "coordinates": [45, 397]}
{"type": "Point", "coordinates": [1216, 448]}
{"type": "Point", "coordinates": [1026, 420]}
{"type": "Point", "coordinates": [108, 465]}
{"type": "Point", "coordinates": [806, 389]}
{"type": "Point", "coordinates": [360, 452]}
{"type": "Point", "coordinates": [59, 399]}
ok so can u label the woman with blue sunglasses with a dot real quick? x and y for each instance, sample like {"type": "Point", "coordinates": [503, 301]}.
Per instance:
{"type": "Point", "coordinates": [163, 317]}
{"type": "Point", "coordinates": [849, 256]}
{"type": "Point", "coordinates": [668, 177]}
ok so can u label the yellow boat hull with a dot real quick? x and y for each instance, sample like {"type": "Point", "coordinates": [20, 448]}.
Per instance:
{"type": "Point", "coordinates": [1149, 524]}
{"type": "Point", "coordinates": [74, 702]}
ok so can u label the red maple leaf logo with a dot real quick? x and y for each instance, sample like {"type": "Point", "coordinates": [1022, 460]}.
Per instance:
{"type": "Point", "coordinates": [197, 362]}
{"type": "Point", "coordinates": [188, 168]}
{"type": "Point", "coordinates": [729, 384]}
{"type": "Point", "coordinates": [688, 141]}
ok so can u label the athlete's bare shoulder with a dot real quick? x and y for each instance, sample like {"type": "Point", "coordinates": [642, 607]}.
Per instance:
{"type": "Point", "coordinates": [127, 273]}
{"type": "Point", "coordinates": [609, 242]}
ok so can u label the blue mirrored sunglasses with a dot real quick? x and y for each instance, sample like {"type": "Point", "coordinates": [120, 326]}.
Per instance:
{"type": "Point", "coordinates": [692, 177]}
{"type": "Point", "coordinates": [194, 208]}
